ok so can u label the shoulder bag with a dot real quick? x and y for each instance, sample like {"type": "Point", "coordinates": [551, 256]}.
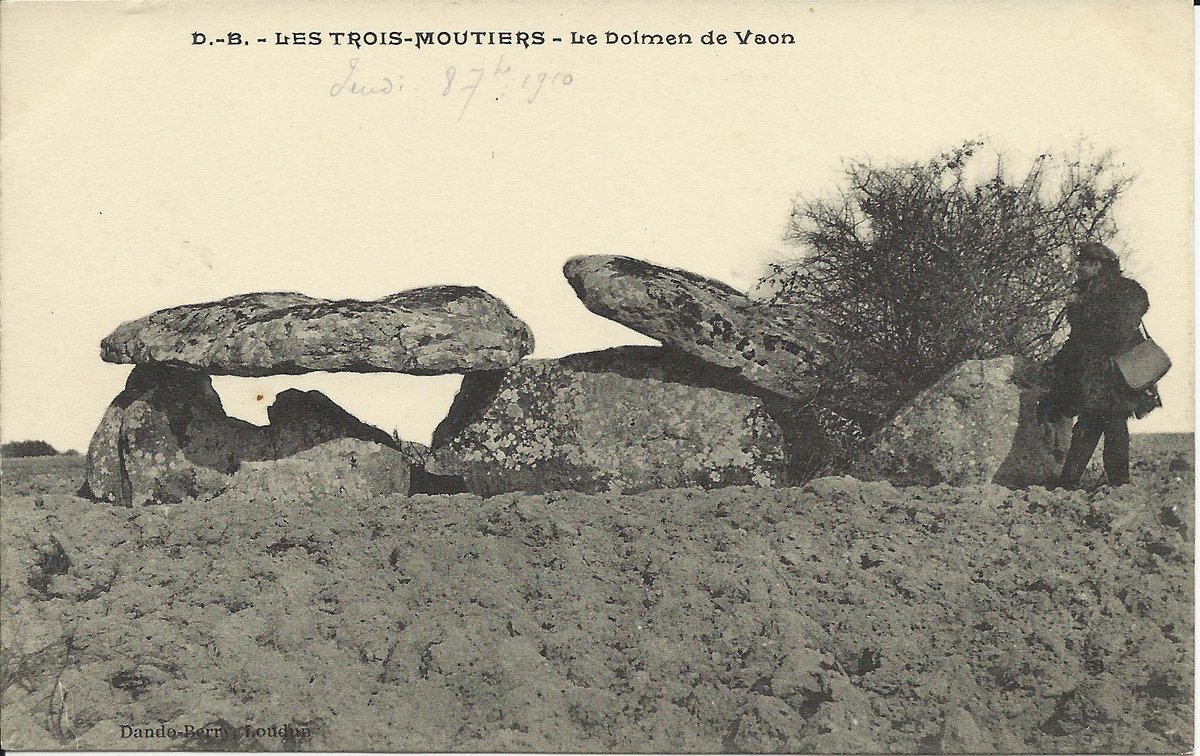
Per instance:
{"type": "Point", "coordinates": [1143, 364]}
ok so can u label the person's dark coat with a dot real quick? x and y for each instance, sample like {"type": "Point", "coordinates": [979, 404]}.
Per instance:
{"type": "Point", "coordinates": [1105, 317]}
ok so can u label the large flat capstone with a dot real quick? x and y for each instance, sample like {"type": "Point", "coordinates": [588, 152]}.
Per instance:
{"type": "Point", "coordinates": [771, 347]}
{"type": "Point", "coordinates": [428, 331]}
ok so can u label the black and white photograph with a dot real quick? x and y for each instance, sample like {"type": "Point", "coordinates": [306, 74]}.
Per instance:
{"type": "Point", "coordinates": [581, 377]}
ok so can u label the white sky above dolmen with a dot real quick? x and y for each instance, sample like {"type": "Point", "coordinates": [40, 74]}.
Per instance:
{"type": "Point", "coordinates": [141, 173]}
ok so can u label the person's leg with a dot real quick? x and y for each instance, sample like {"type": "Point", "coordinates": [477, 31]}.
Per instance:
{"type": "Point", "coordinates": [1084, 438]}
{"type": "Point", "coordinates": [1116, 451]}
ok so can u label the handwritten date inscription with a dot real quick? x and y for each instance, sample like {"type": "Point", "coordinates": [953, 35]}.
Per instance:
{"type": "Point", "coordinates": [498, 84]}
{"type": "Point", "coordinates": [353, 84]}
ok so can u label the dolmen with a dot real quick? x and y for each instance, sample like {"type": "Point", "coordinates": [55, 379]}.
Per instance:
{"type": "Point", "coordinates": [728, 397]}
{"type": "Point", "coordinates": [166, 436]}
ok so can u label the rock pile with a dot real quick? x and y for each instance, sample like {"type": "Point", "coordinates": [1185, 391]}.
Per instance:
{"type": "Point", "coordinates": [725, 400]}
{"type": "Point", "coordinates": [166, 436]}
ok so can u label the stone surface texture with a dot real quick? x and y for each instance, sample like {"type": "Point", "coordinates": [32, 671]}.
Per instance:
{"type": "Point", "coordinates": [300, 420]}
{"type": "Point", "coordinates": [977, 424]}
{"type": "Point", "coordinates": [166, 437]}
{"type": "Point", "coordinates": [427, 331]}
{"type": "Point", "coordinates": [773, 348]}
{"type": "Point", "coordinates": [345, 467]}
{"type": "Point", "coordinates": [625, 419]}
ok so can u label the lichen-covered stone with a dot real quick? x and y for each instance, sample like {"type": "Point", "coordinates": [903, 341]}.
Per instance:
{"type": "Point", "coordinates": [423, 481]}
{"type": "Point", "coordinates": [426, 331]}
{"type": "Point", "coordinates": [166, 437]}
{"type": "Point", "coordinates": [327, 473]}
{"type": "Point", "coordinates": [773, 348]}
{"type": "Point", "coordinates": [977, 424]}
{"type": "Point", "coordinates": [625, 419]}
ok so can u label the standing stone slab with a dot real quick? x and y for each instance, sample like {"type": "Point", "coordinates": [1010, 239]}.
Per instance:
{"type": "Point", "coordinates": [623, 420]}
{"type": "Point", "coordinates": [773, 348]}
{"type": "Point", "coordinates": [977, 424]}
{"type": "Point", "coordinates": [300, 420]}
{"type": "Point", "coordinates": [166, 437]}
{"type": "Point", "coordinates": [428, 331]}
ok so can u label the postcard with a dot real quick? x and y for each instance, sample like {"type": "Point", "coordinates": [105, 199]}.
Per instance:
{"type": "Point", "coordinates": [597, 377]}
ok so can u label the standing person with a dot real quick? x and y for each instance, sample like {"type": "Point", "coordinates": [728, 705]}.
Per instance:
{"type": "Point", "coordinates": [1104, 312]}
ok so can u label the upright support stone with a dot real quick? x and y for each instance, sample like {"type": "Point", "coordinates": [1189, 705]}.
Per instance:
{"type": "Point", "coordinates": [977, 424]}
{"type": "Point", "coordinates": [626, 419]}
{"type": "Point", "coordinates": [166, 437]}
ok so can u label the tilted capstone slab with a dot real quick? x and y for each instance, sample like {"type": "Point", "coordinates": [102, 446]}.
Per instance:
{"type": "Point", "coordinates": [774, 348]}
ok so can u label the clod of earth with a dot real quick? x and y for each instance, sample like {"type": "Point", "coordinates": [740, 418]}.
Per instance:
{"type": "Point", "coordinates": [837, 617]}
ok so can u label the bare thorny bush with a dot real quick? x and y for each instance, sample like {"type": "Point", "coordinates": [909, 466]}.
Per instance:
{"type": "Point", "coordinates": [913, 268]}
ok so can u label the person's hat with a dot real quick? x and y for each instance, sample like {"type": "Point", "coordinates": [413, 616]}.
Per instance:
{"type": "Point", "coordinates": [1095, 251]}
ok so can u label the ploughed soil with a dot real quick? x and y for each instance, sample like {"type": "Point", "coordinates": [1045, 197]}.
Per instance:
{"type": "Point", "coordinates": [839, 616]}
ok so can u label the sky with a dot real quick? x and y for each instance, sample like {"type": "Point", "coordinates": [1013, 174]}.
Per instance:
{"type": "Point", "coordinates": [141, 171]}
